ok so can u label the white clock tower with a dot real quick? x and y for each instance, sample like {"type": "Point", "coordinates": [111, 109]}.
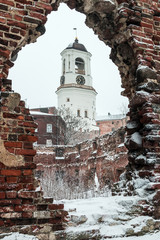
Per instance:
{"type": "Point", "coordinates": [76, 91]}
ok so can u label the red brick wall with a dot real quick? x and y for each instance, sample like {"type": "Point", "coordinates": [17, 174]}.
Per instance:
{"type": "Point", "coordinates": [106, 156]}
{"type": "Point", "coordinates": [107, 126]}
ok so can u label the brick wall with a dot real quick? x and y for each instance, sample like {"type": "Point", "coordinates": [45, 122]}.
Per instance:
{"type": "Point", "coordinates": [106, 126]}
{"type": "Point", "coordinates": [57, 133]}
{"type": "Point", "coordinates": [76, 166]}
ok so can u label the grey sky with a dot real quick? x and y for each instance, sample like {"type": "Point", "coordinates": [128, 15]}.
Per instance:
{"type": "Point", "coordinates": [37, 70]}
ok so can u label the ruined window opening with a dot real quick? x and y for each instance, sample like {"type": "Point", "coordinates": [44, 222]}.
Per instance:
{"type": "Point", "coordinates": [79, 66]}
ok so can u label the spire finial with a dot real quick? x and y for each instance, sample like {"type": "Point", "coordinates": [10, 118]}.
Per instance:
{"type": "Point", "coordinates": [76, 38]}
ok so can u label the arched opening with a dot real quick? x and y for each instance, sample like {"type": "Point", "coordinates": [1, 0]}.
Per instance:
{"type": "Point", "coordinates": [79, 66]}
{"type": "Point", "coordinates": [105, 74]}
{"type": "Point", "coordinates": [43, 60]}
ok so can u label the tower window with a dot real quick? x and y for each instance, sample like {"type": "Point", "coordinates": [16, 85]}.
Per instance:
{"type": "Point", "coordinates": [64, 66]}
{"type": "Point", "coordinates": [78, 113]}
{"type": "Point", "coordinates": [68, 99]}
{"type": "Point", "coordinates": [49, 128]}
{"type": "Point", "coordinates": [79, 66]}
{"type": "Point", "coordinates": [85, 114]}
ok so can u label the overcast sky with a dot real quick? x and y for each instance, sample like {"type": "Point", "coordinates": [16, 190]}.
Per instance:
{"type": "Point", "coordinates": [37, 70]}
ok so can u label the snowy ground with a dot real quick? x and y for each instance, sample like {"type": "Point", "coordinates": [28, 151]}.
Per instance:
{"type": "Point", "coordinates": [110, 216]}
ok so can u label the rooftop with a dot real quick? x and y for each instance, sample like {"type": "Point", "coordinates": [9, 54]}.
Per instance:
{"type": "Point", "coordinates": [77, 45]}
{"type": "Point", "coordinates": [110, 117]}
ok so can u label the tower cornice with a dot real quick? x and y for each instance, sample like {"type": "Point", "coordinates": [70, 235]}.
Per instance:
{"type": "Point", "coordinates": [72, 85]}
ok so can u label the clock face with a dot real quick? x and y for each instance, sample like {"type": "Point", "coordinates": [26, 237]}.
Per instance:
{"type": "Point", "coordinates": [80, 80]}
{"type": "Point", "coordinates": [62, 79]}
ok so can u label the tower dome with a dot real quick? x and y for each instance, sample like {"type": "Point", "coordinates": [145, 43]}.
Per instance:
{"type": "Point", "coordinates": [76, 45]}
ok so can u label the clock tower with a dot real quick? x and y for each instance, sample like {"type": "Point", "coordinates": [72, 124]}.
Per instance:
{"type": "Point", "coordinates": [76, 91]}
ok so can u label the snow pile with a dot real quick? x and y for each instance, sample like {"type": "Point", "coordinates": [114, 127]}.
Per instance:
{"type": "Point", "coordinates": [111, 217]}
{"type": "Point", "coordinates": [17, 236]}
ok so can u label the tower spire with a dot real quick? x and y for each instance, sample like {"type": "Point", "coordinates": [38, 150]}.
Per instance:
{"type": "Point", "coordinates": [76, 38]}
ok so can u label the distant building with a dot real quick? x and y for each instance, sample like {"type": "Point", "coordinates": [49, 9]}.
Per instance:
{"type": "Point", "coordinates": [110, 122]}
{"type": "Point", "coordinates": [51, 127]}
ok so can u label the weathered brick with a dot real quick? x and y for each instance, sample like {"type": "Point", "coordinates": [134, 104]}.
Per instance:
{"type": "Point", "coordinates": [2, 195]}
{"type": "Point", "coordinates": [2, 179]}
{"type": "Point", "coordinates": [12, 137]}
{"type": "Point", "coordinates": [32, 20]}
{"type": "Point", "coordinates": [17, 24]}
{"type": "Point", "coordinates": [25, 194]}
{"type": "Point", "coordinates": [12, 36]}
{"type": "Point", "coordinates": [27, 172]}
{"type": "Point", "coordinates": [3, 7]}
{"type": "Point", "coordinates": [12, 179]}
{"type": "Point", "coordinates": [27, 138]}
{"type": "Point", "coordinates": [6, 202]}
{"type": "Point", "coordinates": [25, 208]}
{"type": "Point", "coordinates": [25, 152]}
{"type": "Point", "coordinates": [27, 145]}
{"type": "Point", "coordinates": [27, 214]}
{"type": "Point", "coordinates": [55, 206]}
{"type": "Point", "coordinates": [13, 144]}
{"type": "Point", "coordinates": [11, 194]}
{"type": "Point", "coordinates": [9, 172]}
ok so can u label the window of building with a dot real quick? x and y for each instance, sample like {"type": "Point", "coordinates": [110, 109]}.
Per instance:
{"type": "Point", "coordinates": [79, 66]}
{"type": "Point", "coordinates": [78, 113]}
{"type": "Point", "coordinates": [68, 99]}
{"type": "Point", "coordinates": [85, 114]}
{"type": "Point", "coordinates": [49, 128]}
{"type": "Point", "coordinates": [49, 142]}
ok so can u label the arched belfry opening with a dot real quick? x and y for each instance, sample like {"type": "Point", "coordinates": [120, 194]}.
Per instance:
{"type": "Point", "coordinates": [134, 49]}
{"type": "Point", "coordinates": [79, 66]}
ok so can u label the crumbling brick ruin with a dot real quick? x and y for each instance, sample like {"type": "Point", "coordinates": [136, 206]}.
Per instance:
{"type": "Point", "coordinates": [75, 168]}
{"type": "Point", "coordinates": [132, 30]}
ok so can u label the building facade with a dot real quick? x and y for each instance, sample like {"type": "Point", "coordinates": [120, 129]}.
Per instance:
{"type": "Point", "coordinates": [50, 128]}
{"type": "Point", "coordinates": [110, 123]}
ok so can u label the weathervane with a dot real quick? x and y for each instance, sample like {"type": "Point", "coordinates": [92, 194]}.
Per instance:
{"type": "Point", "coordinates": [76, 38]}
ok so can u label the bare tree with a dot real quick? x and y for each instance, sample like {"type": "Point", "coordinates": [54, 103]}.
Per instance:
{"type": "Point", "coordinates": [124, 108]}
{"type": "Point", "coordinates": [77, 129]}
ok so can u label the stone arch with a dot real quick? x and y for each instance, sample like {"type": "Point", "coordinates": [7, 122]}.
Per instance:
{"type": "Point", "coordinates": [132, 32]}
